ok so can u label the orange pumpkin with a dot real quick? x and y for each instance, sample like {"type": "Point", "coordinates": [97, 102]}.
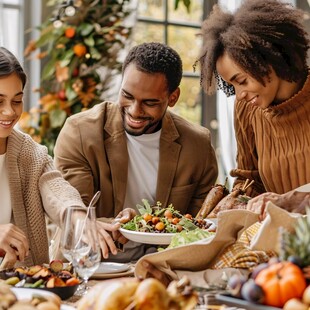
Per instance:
{"type": "Point", "coordinates": [281, 282]}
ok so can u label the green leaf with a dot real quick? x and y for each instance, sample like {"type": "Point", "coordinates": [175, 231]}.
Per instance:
{"type": "Point", "coordinates": [95, 54]}
{"type": "Point", "coordinates": [57, 118]}
{"type": "Point", "coordinates": [186, 237]}
{"type": "Point", "coordinates": [176, 4]}
{"type": "Point", "coordinates": [85, 29]}
{"type": "Point", "coordinates": [100, 41]}
{"type": "Point", "coordinates": [70, 93]}
{"type": "Point", "coordinates": [89, 41]}
{"type": "Point", "coordinates": [146, 208]}
{"type": "Point", "coordinates": [66, 59]}
{"type": "Point", "coordinates": [187, 224]}
{"type": "Point", "coordinates": [73, 64]}
{"type": "Point", "coordinates": [187, 4]}
{"type": "Point", "coordinates": [46, 36]}
{"type": "Point", "coordinates": [48, 70]}
{"type": "Point", "coordinates": [76, 108]}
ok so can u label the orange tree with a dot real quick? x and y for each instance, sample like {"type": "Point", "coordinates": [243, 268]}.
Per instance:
{"type": "Point", "coordinates": [79, 46]}
{"type": "Point", "coordinates": [76, 45]}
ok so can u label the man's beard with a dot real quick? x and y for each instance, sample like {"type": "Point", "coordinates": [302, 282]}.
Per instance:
{"type": "Point", "coordinates": [143, 131]}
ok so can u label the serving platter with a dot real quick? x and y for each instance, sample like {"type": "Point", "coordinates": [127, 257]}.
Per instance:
{"type": "Point", "coordinates": [27, 293]}
{"type": "Point", "coordinates": [64, 292]}
{"type": "Point", "coordinates": [230, 300]}
{"type": "Point", "coordinates": [147, 237]}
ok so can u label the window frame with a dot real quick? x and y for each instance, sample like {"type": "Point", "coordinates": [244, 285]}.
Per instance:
{"type": "Point", "coordinates": [208, 103]}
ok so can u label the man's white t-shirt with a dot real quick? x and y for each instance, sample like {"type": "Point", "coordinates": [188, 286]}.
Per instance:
{"type": "Point", "coordinates": [143, 161]}
{"type": "Point", "coordinates": [5, 200]}
{"type": "Point", "coordinates": [143, 154]}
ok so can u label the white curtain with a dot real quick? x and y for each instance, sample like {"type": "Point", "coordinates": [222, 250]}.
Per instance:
{"type": "Point", "coordinates": [1, 24]}
{"type": "Point", "coordinates": [11, 26]}
{"type": "Point", "coordinates": [226, 133]}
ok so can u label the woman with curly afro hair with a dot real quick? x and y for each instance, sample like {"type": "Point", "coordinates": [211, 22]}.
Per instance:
{"type": "Point", "coordinates": [259, 53]}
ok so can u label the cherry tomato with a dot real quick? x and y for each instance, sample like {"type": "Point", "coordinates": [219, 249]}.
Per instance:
{"type": "Point", "coordinates": [147, 217]}
{"type": "Point", "coordinates": [168, 214]}
{"type": "Point", "coordinates": [160, 226]}
{"type": "Point", "coordinates": [175, 220]}
{"type": "Point", "coordinates": [155, 220]}
{"type": "Point", "coordinates": [179, 228]}
{"type": "Point", "coordinates": [188, 216]}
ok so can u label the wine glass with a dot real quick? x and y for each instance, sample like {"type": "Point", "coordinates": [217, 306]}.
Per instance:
{"type": "Point", "coordinates": [79, 243]}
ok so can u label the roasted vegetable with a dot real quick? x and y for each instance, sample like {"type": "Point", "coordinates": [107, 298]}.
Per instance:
{"type": "Point", "coordinates": [215, 195]}
{"type": "Point", "coordinates": [235, 200]}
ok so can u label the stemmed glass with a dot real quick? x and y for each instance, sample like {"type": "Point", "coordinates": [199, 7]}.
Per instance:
{"type": "Point", "coordinates": [79, 243]}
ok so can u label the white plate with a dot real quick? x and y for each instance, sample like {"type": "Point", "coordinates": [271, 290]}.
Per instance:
{"type": "Point", "coordinates": [126, 273]}
{"type": "Point", "coordinates": [107, 267]}
{"type": "Point", "coordinates": [146, 237]}
{"type": "Point", "coordinates": [26, 293]}
{"type": "Point", "coordinates": [213, 220]}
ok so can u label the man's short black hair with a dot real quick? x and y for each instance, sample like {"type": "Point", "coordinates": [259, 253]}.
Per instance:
{"type": "Point", "coordinates": [156, 57]}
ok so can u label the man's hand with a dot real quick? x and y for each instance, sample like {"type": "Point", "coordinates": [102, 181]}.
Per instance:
{"type": "Point", "coordinates": [153, 272]}
{"type": "Point", "coordinates": [105, 239]}
{"type": "Point", "coordinates": [123, 217]}
{"type": "Point", "coordinates": [14, 245]}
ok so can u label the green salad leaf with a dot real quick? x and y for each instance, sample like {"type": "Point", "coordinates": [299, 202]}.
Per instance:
{"type": "Point", "coordinates": [146, 208]}
{"type": "Point", "coordinates": [160, 220]}
{"type": "Point", "coordinates": [186, 237]}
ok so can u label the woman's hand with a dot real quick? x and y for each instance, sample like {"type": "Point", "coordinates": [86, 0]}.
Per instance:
{"type": "Point", "coordinates": [258, 203]}
{"type": "Point", "coordinates": [292, 201]}
{"type": "Point", "coordinates": [153, 272]}
{"type": "Point", "coordinates": [13, 244]}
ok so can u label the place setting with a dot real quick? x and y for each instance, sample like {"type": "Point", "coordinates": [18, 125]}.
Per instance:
{"type": "Point", "coordinates": [109, 270]}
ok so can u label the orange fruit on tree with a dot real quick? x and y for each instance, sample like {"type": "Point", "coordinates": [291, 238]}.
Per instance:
{"type": "Point", "coordinates": [281, 282]}
{"type": "Point", "coordinates": [62, 94]}
{"type": "Point", "coordinates": [79, 49]}
{"type": "Point", "coordinates": [70, 32]}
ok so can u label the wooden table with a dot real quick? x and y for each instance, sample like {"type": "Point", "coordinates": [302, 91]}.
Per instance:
{"type": "Point", "coordinates": [72, 301]}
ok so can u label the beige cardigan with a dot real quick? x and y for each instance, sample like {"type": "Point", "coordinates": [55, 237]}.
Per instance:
{"type": "Point", "coordinates": [37, 188]}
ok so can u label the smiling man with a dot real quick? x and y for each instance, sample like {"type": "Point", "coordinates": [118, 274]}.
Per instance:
{"type": "Point", "coordinates": [136, 148]}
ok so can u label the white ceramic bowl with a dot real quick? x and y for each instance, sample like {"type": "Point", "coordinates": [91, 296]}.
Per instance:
{"type": "Point", "coordinates": [146, 237]}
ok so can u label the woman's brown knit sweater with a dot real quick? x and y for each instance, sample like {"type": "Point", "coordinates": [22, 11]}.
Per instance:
{"type": "Point", "coordinates": [37, 188]}
{"type": "Point", "coordinates": [274, 144]}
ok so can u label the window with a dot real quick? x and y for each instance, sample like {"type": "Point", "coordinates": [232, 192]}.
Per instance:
{"type": "Point", "coordinates": [157, 20]}
{"type": "Point", "coordinates": [18, 19]}
{"type": "Point", "coordinates": [11, 26]}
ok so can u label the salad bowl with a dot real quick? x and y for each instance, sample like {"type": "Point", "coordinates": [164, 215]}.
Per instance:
{"type": "Point", "coordinates": [147, 237]}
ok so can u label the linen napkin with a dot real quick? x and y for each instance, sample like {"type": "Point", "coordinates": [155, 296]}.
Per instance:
{"type": "Point", "coordinates": [267, 238]}
{"type": "Point", "coordinates": [200, 255]}
{"type": "Point", "coordinates": [240, 254]}
{"type": "Point", "coordinates": [237, 244]}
